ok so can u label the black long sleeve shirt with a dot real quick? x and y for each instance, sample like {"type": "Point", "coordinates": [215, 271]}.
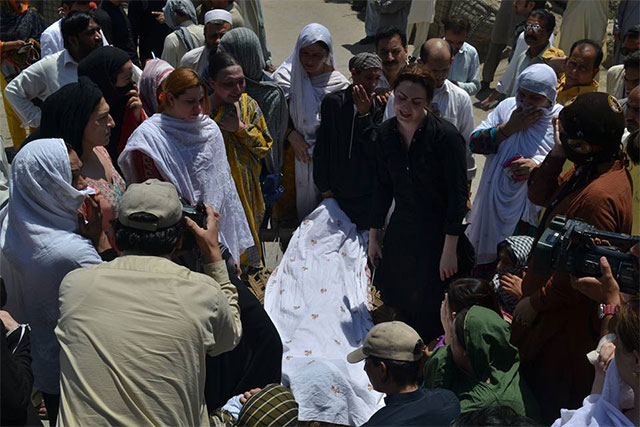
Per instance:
{"type": "Point", "coordinates": [344, 155]}
{"type": "Point", "coordinates": [17, 378]}
{"type": "Point", "coordinates": [428, 181]}
{"type": "Point", "coordinates": [148, 33]}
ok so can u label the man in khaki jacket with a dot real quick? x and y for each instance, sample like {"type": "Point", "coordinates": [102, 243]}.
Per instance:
{"type": "Point", "coordinates": [134, 332]}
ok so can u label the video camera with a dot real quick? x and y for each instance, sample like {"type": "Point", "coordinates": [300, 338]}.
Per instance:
{"type": "Point", "coordinates": [568, 246]}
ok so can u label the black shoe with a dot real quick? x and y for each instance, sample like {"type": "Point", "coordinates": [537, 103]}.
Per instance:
{"type": "Point", "coordinates": [367, 40]}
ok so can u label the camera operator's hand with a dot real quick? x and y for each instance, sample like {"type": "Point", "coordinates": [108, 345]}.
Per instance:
{"type": "Point", "coordinates": [207, 240]}
{"type": "Point", "coordinates": [524, 312]}
{"type": "Point", "coordinates": [604, 289]}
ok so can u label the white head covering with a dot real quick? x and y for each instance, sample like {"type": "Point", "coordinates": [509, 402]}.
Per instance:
{"type": "Point", "coordinates": [602, 409]}
{"type": "Point", "coordinates": [501, 202]}
{"type": "Point", "coordinates": [218, 15]}
{"type": "Point", "coordinates": [185, 7]}
{"type": "Point", "coordinates": [154, 73]}
{"type": "Point", "coordinates": [305, 95]}
{"type": "Point", "coordinates": [192, 156]}
{"type": "Point", "coordinates": [40, 245]}
{"type": "Point", "coordinates": [539, 79]}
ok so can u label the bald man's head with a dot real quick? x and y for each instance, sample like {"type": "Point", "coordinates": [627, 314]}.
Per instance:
{"type": "Point", "coordinates": [632, 115]}
{"type": "Point", "coordinates": [437, 55]}
{"type": "Point", "coordinates": [436, 48]}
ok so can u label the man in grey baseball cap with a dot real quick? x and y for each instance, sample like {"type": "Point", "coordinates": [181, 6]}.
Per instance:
{"type": "Point", "coordinates": [394, 354]}
{"type": "Point", "coordinates": [142, 319]}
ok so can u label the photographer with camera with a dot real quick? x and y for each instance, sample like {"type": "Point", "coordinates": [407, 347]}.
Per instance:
{"type": "Point", "coordinates": [133, 333]}
{"type": "Point", "coordinates": [555, 325]}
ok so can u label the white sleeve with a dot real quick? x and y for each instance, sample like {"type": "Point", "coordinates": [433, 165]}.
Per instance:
{"type": "Point", "coordinates": [47, 45]}
{"type": "Point", "coordinates": [27, 85]}
{"type": "Point", "coordinates": [466, 128]}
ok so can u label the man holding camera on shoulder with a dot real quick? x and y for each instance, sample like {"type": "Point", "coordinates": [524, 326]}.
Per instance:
{"type": "Point", "coordinates": [554, 324]}
{"type": "Point", "coordinates": [134, 332]}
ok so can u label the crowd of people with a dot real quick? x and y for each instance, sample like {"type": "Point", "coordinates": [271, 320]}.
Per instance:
{"type": "Point", "coordinates": [156, 145]}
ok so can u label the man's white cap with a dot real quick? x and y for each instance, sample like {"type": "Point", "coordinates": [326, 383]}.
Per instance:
{"type": "Point", "coordinates": [217, 15]}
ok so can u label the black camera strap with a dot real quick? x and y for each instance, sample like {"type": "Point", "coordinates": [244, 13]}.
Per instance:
{"type": "Point", "coordinates": [577, 181]}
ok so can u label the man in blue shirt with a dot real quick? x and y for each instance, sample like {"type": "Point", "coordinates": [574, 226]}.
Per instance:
{"type": "Point", "coordinates": [465, 69]}
{"type": "Point", "coordinates": [393, 353]}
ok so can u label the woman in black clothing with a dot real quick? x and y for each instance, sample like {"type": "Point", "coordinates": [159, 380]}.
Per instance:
{"type": "Point", "coordinates": [420, 162]}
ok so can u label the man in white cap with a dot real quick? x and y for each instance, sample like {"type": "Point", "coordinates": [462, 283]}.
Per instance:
{"type": "Point", "coordinates": [134, 332]}
{"type": "Point", "coordinates": [216, 23]}
{"type": "Point", "coordinates": [394, 353]}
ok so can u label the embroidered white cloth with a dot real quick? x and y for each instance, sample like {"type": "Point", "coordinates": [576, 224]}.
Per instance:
{"type": "Point", "coordinates": [191, 156]}
{"type": "Point", "coordinates": [317, 299]}
{"type": "Point", "coordinates": [305, 97]}
{"type": "Point", "coordinates": [602, 410]}
{"type": "Point", "coordinates": [501, 202]}
{"type": "Point", "coordinates": [40, 245]}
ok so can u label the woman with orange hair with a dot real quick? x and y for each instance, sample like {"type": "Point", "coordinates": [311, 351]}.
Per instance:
{"type": "Point", "coordinates": [19, 47]}
{"type": "Point", "coordinates": [181, 144]}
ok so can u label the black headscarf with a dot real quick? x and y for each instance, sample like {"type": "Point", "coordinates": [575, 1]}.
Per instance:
{"type": "Point", "coordinates": [66, 112]}
{"type": "Point", "coordinates": [598, 119]}
{"type": "Point", "coordinates": [102, 66]}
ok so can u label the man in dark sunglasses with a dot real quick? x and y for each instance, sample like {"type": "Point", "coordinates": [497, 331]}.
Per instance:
{"type": "Point", "coordinates": [538, 29]}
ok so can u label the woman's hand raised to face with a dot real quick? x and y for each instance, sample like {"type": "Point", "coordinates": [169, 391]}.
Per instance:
{"type": "Point", "coordinates": [522, 120]}
{"type": "Point", "coordinates": [511, 284]}
{"type": "Point", "coordinates": [232, 123]}
{"type": "Point", "coordinates": [92, 226]}
{"type": "Point", "coordinates": [134, 103]}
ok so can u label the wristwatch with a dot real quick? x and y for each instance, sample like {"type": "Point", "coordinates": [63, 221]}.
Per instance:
{"type": "Point", "coordinates": [607, 309]}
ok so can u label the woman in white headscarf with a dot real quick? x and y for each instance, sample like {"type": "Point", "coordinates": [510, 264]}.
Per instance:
{"type": "Point", "coordinates": [40, 245]}
{"type": "Point", "coordinates": [154, 73]}
{"type": "Point", "coordinates": [306, 77]}
{"type": "Point", "coordinates": [516, 137]}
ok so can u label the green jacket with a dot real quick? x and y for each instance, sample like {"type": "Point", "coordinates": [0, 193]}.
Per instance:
{"type": "Point", "coordinates": [496, 376]}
